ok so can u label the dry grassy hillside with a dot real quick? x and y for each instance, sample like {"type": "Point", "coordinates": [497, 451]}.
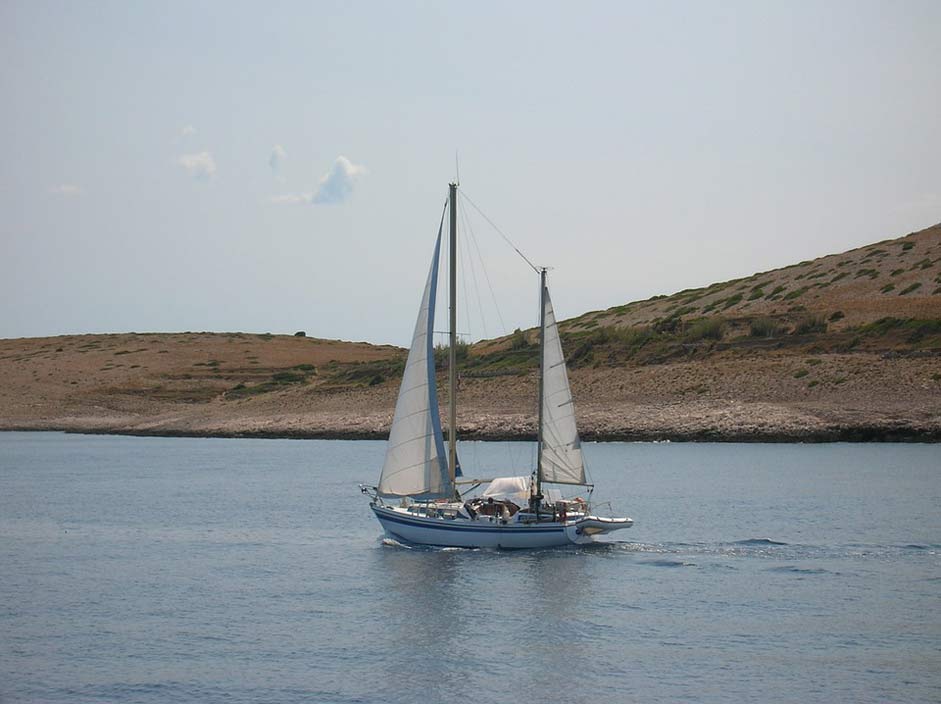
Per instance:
{"type": "Point", "coordinates": [847, 346]}
{"type": "Point", "coordinates": [899, 278]}
{"type": "Point", "coordinates": [174, 383]}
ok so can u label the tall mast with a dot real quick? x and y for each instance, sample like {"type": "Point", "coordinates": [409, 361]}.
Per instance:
{"type": "Point", "coordinates": [452, 346]}
{"type": "Point", "coordinates": [542, 388]}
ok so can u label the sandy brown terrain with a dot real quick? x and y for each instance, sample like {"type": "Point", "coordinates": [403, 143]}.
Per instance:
{"type": "Point", "coordinates": [844, 347]}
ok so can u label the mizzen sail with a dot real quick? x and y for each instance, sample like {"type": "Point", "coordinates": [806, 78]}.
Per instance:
{"type": "Point", "coordinates": [416, 462]}
{"type": "Point", "coordinates": [561, 448]}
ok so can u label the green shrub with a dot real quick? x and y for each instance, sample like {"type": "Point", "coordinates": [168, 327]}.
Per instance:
{"type": "Point", "coordinates": [838, 315]}
{"type": "Point", "coordinates": [706, 329]}
{"type": "Point", "coordinates": [442, 354]}
{"type": "Point", "coordinates": [812, 384]}
{"type": "Point", "coordinates": [908, 289]}
{"type": "Point", "coordinates": [850, 344]}
{"type": "Point", "coordinates": [796, 293]}
{"type": "Point", "coordinates": [764, 327]}
{"type": "Point", "coordinates": [810, 324]}
{"type": "Point", "coordinates": [632, 337]}
{"type": "Point", "coordinates": [616, 342]}
{"type": "Point", "coordinates": [922, 329]}
{"type": "Point", "coordinates": [887, 288]}
{"type": "Point", "coordinates": [625, 337]}
{"type": "Point", "coordinates": [519, 341]}
{"type": "Point", "coordinates": [300, 333]}
{"type": "Point", "coordinates": [667, 326]}
{"type": "Point", "coordinates": [907, 246]}
{"type": "Point", "coordinates": [881, 326]}
{"type": "Point", "coordinates": [801, 373]}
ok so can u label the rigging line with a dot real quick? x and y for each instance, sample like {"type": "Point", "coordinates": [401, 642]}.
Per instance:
{"type": "Point", "coordinates": [493, 296]}
{"type": "Point", "coordinates": [507, 239]}
{"type": "Point", "coordinates": [473, 268]}
{"type": "Point", "coordinates": [462, 256]}
{"type": "Point", "coordinates": [465, 263]}
{"type": "Point", "coordinates": [512, 451]}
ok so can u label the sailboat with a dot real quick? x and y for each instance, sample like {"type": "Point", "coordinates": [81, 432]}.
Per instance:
{"type": "Point", "coordinates": [419, 500]}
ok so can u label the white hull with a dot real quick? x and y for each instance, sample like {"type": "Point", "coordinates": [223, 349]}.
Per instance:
{"type": "Point", "coordinates": [463, 533]}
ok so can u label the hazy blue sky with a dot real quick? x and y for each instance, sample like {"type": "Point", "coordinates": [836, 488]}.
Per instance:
{"type": "Point", "coordinates": [177, 166]}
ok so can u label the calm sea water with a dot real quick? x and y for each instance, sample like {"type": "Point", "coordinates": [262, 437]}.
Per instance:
{"type": "Point", "coordinates": [169, 570]}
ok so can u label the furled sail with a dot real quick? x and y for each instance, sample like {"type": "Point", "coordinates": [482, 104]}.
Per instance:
{"type": "Point", "coordinates": [561, 449]}
{"type": "Point", "coordinates": [416, 461]}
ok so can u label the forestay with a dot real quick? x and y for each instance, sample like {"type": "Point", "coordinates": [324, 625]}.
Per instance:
{"type": "Point", "coordinates": [561, 448]}
{"type": "Point", "coordinates": [416, 459]}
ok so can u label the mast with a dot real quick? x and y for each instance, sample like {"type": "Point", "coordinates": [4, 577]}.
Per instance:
{"type": "Point", "coordinates": [452, 346]}
{"type": "Point", "coordinates": [542, 390]}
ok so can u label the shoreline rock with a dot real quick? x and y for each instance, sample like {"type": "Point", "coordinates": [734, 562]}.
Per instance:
{"type": "Point", "coordinates": [889, 433]}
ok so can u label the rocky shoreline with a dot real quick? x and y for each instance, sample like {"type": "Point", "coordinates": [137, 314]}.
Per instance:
{"type": "Point", "coordinates": [886, 432]}
{"type": "Point", "coordinates": [856, 435]}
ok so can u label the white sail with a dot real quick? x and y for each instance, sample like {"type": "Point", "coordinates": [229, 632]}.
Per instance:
{"type": "Point", "coordinates": [561, 449]}
{"type": "Point", "coordinates": [416, 460]}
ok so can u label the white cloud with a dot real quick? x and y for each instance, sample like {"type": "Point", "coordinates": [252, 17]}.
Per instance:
{"type": "Point", "coordinates": [291, 199]}
{"type": "Point", "coordinates": [66, 189]}
{"type": "Point", "coordinates": [278, 155]}
{"type": "Point", "coordinates": [337, 184]}
{"type": "Point", "coordinates": [201, 165]}
{"type": "Point", "coordinates": [187, 131]}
